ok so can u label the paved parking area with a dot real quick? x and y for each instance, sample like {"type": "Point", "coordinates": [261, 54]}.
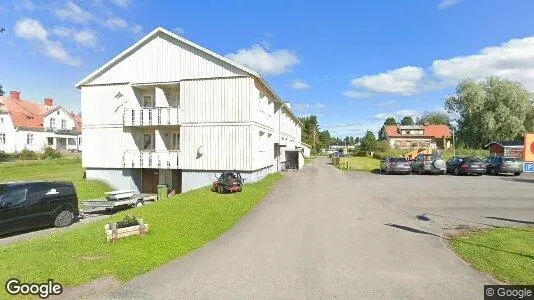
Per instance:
{"type": "Point", "coordinates": [323, 233]}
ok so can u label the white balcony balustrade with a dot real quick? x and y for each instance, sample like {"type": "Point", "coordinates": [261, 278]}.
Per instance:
{"type": "Point", "coordinates": [136, 159]}
{"type": "Point", "coordinates": [152, 116]}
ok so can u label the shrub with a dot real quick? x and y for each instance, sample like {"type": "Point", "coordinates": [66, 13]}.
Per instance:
{"type": "Point", "coordinates": [382, 146]}
{"type": "Point", "coordinates": [381, 155]}
{"type": "Point", "coordinates": [50, 153]}
{"type": "Point", "coordinates": [26, 154]}
{"type": "Point", "coordinates": [3, 156]}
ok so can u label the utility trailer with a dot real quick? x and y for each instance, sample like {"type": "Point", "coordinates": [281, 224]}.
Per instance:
{"type": "Point", "coordinates": [117, 200]}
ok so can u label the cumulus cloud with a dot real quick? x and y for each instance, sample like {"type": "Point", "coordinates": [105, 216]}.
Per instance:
{"type": "Point", "coordinates": [259, 59]}
{"type": "Point", "coordinates": [447, 3]}
{"type": "Point", "coordinates": [74, 13]}
{"type": "Point", "coordinates": [114, 22]}
{"type": "Point", "coordinates": [307, 106]}
{"type": "Point", "coordinates": [25, 5]}
{"type": "Point", "coordinates": [513, 60]}
{"type": "Point", "coordinates": [33, 30]}
{"type": "Point", "coordinates": [351, 128]}
{"type": "Point", "coordinates": [398, 114]}
{"type": "Point", "coordinates": [178, 30]}
{"type": "Point", "coordinates": [403, 81]}
{"type": "Point", "coordinates": [86, 38]}
{"type": "Point", "coordinates": [299, 84]}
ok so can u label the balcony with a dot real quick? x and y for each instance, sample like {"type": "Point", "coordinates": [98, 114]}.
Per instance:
{"type": "Point", "coordinates": [136, 159]}
{"type": "Point", "coordinates": [151, 116]}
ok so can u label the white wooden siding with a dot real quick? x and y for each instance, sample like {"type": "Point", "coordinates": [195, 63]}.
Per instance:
{"type": "Point", "coordinates": [58, 116]}
{"type": "Point", "coordinates": [163, 59]}
{"type": "Point", "coordinates": [104, 146]}
{"type": "Point", "coordinates": [217, 100]}
{"type": "Point", "coordinates": [225, 147]}
{"type": "Point", "coordinates": [101, 107]}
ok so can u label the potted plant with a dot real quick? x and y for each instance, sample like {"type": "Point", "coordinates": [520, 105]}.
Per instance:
{"type": "Point", "coordinates": [128, 226]}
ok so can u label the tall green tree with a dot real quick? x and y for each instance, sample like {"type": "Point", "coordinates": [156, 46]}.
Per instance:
{"type": "Point", "coordinates": [407, 121]}
{"type": "Point", "coordinates": [494, 109]}
{"type": "Point", "coordinates": [434, 118]}
{"type": "Point", "coordinates": [368, 142]}
{"type": "Point", "coordinates": [390, 121]}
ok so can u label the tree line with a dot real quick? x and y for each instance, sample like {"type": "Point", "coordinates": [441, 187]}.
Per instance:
{"type": "Point", "coordinates": [318, 139]}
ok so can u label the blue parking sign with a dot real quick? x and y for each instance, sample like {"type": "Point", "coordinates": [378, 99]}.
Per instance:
{"type": "Point", "coordinates": [528, 167]}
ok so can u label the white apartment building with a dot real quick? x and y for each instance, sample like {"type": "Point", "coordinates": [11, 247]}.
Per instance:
{"type": "Point", "coordinates": [168, 111]}
{"type": "Point", "coordinates": [29, 125]}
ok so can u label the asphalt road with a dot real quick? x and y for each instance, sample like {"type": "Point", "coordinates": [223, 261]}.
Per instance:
{"type": "Point", "coordinates": [323, 233]}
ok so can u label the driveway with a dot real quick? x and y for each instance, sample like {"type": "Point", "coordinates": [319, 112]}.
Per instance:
{"type": "Point", "coordinates": [323, 233]}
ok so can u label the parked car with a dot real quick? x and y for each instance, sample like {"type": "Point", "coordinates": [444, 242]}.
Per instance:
{"type": "Point", "coordinates": [499, 164]}
{"type": "Point", "coordinates": [29, 205]}
{"type": "Point", "coordinates": [228, 182]}
{"type": "Point", "coordinates": [429, 163]}
{"type": "Point", "coordinates": [391, 165]}
{"type": "Point", "coordinates": [466, 165]}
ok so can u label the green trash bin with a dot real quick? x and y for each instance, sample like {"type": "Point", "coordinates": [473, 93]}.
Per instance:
{"type": "Point", "coordinates": [162, 191]}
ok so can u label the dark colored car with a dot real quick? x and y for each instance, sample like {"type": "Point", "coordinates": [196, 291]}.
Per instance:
{"type": "Point", "coordinates": [429, 163]}
{"type": "Point", "coordinates": [499, 164]}
{"type": "Point", "coordinates": [466, 165]}
{"type": "Point", "coordinates": [391, 165]}
{"type": "Point", "coordinates": [29, 205]}
{"type": "Point", "coordinates": [228, 182]}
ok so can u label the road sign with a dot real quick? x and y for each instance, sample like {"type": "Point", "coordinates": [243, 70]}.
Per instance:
{"type": "Point", "coordinates": [528, 151]}
{"type": "Point", "coordinates": [528, 167]}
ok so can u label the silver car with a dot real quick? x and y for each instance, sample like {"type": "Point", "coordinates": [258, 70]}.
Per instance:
{"type": "Point", "coordinates": [429, 163]}
{"type": "Point", "coordinates": [391, 165]}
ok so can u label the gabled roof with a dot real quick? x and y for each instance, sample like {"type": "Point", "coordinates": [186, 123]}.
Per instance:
{"type": "Point", "coordinates": [25, 114]}
{"type": "Point", "coordinates": [435, 131]}
{"type": "Point", "coordinates": [507, 143]}
{"type": "Point", "coordinates": [159, 30]}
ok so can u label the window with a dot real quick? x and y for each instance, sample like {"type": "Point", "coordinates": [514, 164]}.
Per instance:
{"type": "Point", "coordinates": [2, 138]}
{"type": "Point", "coordinates": [148, 141]}
{"type": "Point", "coordinates": [29, 138]}
{"type": "Point", "coordinates": [175, 141]}
{"type": "Point", "coordinates": [1, 121]}
{"type": "Point", "coordinates": [14, 196]}
{"type": "Point", "coordinates": [63, 124]}
{"type": "Point", "coordinates": [50, 141]}
{"type": "Point", "coordinates": [80, 140]}
{"type": "Point", "coordinates": [147, 101]}
{"type": "Point", "coordinates": [52, 122]}
{"type": "Point", "coordinates": [174, 99]}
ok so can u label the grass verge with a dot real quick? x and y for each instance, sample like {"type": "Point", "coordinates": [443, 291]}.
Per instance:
{"type": "Point", "coordinates": [54, 169]}
{"type": "Point", "coordinates": [356, 163]}
{"type": "Point", "coordinates": [177, 226]}
{"type": "Point", "coordinates": [505, 253]}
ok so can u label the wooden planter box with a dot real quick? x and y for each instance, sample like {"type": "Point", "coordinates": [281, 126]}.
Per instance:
{"type": "Point", "coordinates": [113, 233]}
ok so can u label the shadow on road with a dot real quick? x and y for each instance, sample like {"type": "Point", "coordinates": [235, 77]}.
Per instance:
{"type": "Point", "coordinates": [523, 180]}
{"type": "Point", "coordinates": [511, 220]}
{"type": "Point", "coordinates": [418, 231]}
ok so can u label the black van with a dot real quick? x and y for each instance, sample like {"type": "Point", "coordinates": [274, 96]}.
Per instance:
{"type": "Point", "coordinates": [28, 205]}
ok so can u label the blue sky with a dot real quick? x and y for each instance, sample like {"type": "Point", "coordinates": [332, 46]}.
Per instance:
{"type": "Point", "coordinates": [352, 63]}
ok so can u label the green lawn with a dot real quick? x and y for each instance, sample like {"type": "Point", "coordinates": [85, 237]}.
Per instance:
{"type": "Point", "coordinates": [176, 227]}
{"type": "Point", "coordinates": [356, 163]}
{"type": "Point", "coordinates": [54, 169]}
{"type": "Point", "coordinates": [505, 253]}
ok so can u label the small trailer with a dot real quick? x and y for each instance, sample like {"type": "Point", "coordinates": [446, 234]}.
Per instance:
{"type": "Point", "coordinates": [117, 200]}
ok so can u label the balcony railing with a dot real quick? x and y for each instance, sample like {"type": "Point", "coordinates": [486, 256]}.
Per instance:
{"type": "Point", "coordinates": [152, 116]}
{"type": "Point", "coordinates": [136, 159]}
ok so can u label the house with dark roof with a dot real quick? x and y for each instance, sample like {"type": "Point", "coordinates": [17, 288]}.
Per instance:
{"type": "Point", "coordinates": [417, 136]}
{"type": "Point", "coordinates": [29, 125]}
{"type": "Point", "coordinates": [506, 148]}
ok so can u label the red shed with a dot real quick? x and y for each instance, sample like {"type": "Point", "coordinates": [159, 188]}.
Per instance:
{"type": "Point", "coordinates": [506, 148]}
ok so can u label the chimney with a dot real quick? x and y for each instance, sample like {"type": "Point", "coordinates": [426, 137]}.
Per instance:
{"type": "Point", "coordinates": [14, 95]}
{"type": "Point", "coordinates": [48, 101]}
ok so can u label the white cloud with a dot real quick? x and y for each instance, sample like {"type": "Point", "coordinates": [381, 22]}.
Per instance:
{"type": "Point", "coordinates": [307, 106]}
{"type": "Point", "coordinates": [265, 62]}
{"type": "Point", "coordinates": [398, 115]}
{"type": "Point", "coordinates": [32, 30]}
{"type": "Point", "coordinates": [352, 128]}
{"type": "Point", "coordinates": [513, 60]}
{"type": "Point", "coordinates": [136, 29]}
{"type": "Point", "coordinates": [403, 81]}
{"type": "Point", "coordinates": [299, 84]}
{"type": "Point", "coordinates": [122, 3]}
{"type": "Point", "coordinates": [178, 30]}
{"type": "Point", "coordinates": [357, 94]}
{"type": "Point", "coordinates": [114, 22]}
{"type": "Point", "coordinates": [87, 38]}
{"type": "Point", "coordinates": [73, 13]}
{"type": "Point", "coordinates": [447, 3]}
